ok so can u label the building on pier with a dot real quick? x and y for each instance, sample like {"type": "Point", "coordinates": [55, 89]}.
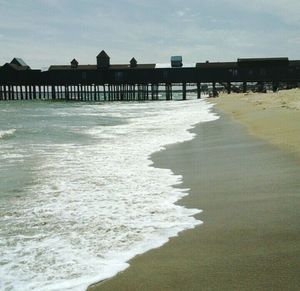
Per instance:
{"type": "Point", "coordinates": [20, 63]}
{"type": "Point", "coordinates": [103, 63]}
{"type": "Point", "coordinates": [176, 61]}
{"type": "Point", "coordinates": [17, 64]}
{"type": "Point", "coordinates": [262, 62]}
{"type": "Point", "coordinates": [133, 63]}
{"type": "Point", "coordinates": [134, 81]}
{"type": "Point", "coordinates": [18, 72]}
{"type": "Point", "coordinates": [74, 64]}
{"type": "Point", "coordinates": [103, 60]}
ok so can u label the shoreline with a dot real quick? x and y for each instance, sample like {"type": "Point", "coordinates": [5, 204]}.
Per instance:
{"type": "Point", "coordinates": [240, 245]}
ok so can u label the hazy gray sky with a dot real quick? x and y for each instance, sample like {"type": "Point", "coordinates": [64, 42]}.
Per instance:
{"type": "Point", "coordinates": [45, 32]}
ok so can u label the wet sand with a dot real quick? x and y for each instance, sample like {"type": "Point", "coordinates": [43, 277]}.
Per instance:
{"type": "Point", "coordinates": [249, 191]}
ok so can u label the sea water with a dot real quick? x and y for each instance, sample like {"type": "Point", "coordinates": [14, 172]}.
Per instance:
{"type": "Point", "coordinates": [79, 196]}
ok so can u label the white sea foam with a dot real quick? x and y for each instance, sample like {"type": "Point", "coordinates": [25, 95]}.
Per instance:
{"type": "Point", "coordinates": [7, 133]}
{"type": "Point", "coordinates": [97, 205]}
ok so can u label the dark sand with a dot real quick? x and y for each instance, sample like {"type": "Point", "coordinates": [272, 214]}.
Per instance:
{"type": "Point", "coordinates": [249, 191]}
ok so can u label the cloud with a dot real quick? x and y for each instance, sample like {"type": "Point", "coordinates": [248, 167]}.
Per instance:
{"type": "Point", "coordinates": [48, 32]}
{"type": "Point", "coordinates": [180, 13]}
{"type": "Point", "coordinates": [286, 10]}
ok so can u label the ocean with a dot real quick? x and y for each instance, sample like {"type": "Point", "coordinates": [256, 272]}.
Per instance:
{"type": "Point", "coordinates": [79, 196]}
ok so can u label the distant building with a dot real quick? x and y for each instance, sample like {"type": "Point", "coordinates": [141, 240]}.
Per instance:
{"type": "Point", "coordinates": [103, 60]}
{"type": "Point", "coordinates": [176, 61]}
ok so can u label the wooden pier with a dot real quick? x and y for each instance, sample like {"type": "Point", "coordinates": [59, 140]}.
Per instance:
{"type": "Point", "coordinates": [140, 82]}
{"type": "Point", "coordinates": [105, 92]}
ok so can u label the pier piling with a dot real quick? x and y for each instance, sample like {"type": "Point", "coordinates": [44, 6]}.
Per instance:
{"type": "Point", "coordinates": [183, 91]}
{"type": "Point", "coordinates": [229, 87]}
{"type": "Point", "coordinates": [244, 87]}
{"type": "Point", "coordinates": [198, 90]}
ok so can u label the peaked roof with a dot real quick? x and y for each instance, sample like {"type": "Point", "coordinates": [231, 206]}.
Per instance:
{"type": "Point", "coordinates": [14, 67]}
{"type": "Point", "coordinates": [133, 63]}
{"type": "Point", "coordinates": [74, 61]}
{"type": "Point", "coordinates": [103, 54]}
{"type": "Point", "coordinates": [19, 61]}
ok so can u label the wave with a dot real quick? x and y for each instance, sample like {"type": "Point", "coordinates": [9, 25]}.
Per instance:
{"type": "Point", "coordinates": [7, 133]}
{"type": "Point", "coordinates": [99, 203]}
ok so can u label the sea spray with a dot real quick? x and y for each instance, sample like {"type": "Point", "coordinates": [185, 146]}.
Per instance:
{"type": "Point", "coordinates": [7, 133]}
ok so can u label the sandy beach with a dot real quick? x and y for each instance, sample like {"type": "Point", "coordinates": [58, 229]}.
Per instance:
{"type": "Point", "coordinates": [243, 171]}
{"type": "Point", "coordinates": [272, 116]}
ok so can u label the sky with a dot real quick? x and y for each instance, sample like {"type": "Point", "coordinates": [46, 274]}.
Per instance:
{"type": "Point", "coordinates": [45, 32]}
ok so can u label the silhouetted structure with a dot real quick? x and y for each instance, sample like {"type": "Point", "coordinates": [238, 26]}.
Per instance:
{"type": "Point", "coordinates": [74, 64]}
{"type": "Point", "coordinates": [176, 62]}
{"type": "Point", "coordinates": [103, 60]}
{"type": "Point", "coordinates": [133, 63]}
{"type": "Point", "coordinates": [104, 81]}
{"type": "Point", "coordinates": [20, 63]}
